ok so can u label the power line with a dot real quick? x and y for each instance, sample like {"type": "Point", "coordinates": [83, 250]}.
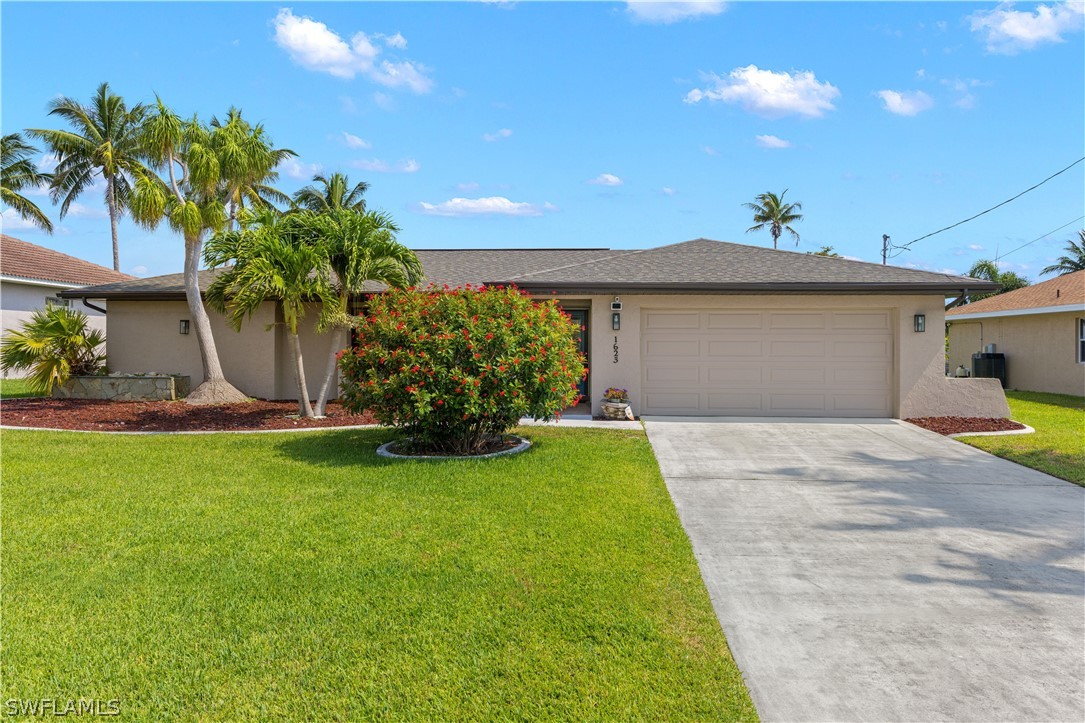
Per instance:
{"type": "Point", "coordinates": [904, 247]}
{"type": "Point", "coordinates": [1060, 228]}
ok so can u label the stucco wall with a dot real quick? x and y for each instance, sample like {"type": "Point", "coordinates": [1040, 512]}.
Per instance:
{"type": "Point", "coordinates": [19, 301]}
{"type": "Point", "coordinates": [918, 357]}
{"type": "Point", "coordinates": [314, 352]}
{"type": "Point", "coordinates": [1040, 349]}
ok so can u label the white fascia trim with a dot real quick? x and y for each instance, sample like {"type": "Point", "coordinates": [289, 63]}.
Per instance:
{"type": "Point", "coordinates": [60, 285]}
{"type": "Point", "coordinates": [1015, 312]}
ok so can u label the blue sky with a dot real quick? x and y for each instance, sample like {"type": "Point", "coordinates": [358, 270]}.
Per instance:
{"type": "Point", "coordinates": [483, 124]}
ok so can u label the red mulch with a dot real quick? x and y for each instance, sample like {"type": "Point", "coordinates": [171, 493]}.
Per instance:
{"type": "Point", "coordinates": [960, 425]}
{"type": "Point", "coordinates": [95, 415]}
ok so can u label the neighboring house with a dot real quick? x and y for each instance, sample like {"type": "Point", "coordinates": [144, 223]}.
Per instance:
{"type": "Point", "coordinates": [1040, 329]}
{"type": "Point", "coordinates": [31, 276]}
{"type": "Point", "coordinates": [704, 328]}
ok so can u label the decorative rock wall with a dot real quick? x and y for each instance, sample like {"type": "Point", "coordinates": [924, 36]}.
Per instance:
{"type": "Point", "coordinates": [126, 387]}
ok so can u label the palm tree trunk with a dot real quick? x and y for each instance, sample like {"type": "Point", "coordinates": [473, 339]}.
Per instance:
{"type": "Point", "coordinates": [305, 409]}
{"type": "Point", "coordinates": [214, 389]}
{"type": "Point", "coordinates": [339, 341]}
{"type": "Point", "coordinates": [111, 202]}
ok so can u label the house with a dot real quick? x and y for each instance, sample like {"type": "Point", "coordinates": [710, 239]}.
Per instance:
{"type": "Point", "coordinates": [31, 276]}
{"type": "Point", "coordinates": [1040, 329]}
{"type": "Point", "coordinates": [695, 328]}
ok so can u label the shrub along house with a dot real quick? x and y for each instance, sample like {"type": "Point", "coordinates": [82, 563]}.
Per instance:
{"type": "Point", "coordinates": [1040, 329]}
{"type": "Point", "coordinates": [700, 328]}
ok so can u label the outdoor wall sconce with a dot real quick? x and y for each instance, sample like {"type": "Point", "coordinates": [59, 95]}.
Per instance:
{"type": "Point", "coordinates": [616, 305]}
{"type": "Point", "coordinates": [920, 322]}
{"type": "Point", "coordinates": [616, 321]}
{"type": "Point", "coordinates": [184, 326]}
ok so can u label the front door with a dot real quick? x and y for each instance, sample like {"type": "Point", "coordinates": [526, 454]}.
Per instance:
{"type": "Point", "coordinates": [580, 316]}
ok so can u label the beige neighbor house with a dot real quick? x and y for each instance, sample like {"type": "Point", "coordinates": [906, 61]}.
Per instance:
{"type": "Point", "coordinates": [31, 276]}
{"type": "Point", "coordinates": [1040, 329]}
{"type": "Point", "coordinates": [702, 328]}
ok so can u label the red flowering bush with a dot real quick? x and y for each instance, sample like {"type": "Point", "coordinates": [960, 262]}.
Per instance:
{"type": "Point", "coordinates": [457, 368]}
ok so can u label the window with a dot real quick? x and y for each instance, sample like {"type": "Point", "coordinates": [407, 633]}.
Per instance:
{"type": "Point", "coordinates": [1081, 341]}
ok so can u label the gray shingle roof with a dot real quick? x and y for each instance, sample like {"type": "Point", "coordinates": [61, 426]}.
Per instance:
{"type": "Point", "coordinates": [706, 265]}
{"type": "Point", "coordinates": [693, 266]}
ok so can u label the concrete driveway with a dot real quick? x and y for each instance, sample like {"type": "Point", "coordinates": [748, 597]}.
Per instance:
{"type": "Point", "coordinates": [871, 570]}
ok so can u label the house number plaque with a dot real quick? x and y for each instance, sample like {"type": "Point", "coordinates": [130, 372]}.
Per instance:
{"type": "Point", "coordinates": [615, 350]}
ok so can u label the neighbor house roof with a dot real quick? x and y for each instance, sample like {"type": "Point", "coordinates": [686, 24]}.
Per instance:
{"type": "Point", "coordinates": [1063, 293]}
{"type": "Point", "coordinates": [20, 260]}
{"type": "Point", "coordinates": [691, 267]}
{"type": "Point", "coordinates": [703, 265]}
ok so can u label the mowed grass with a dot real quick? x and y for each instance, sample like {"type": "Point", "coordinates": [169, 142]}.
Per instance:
{"type": "Point", "coordinates": [1057, 447]}
{"type": "Point", "coordinates": [299, 576]}
{"type": "Point", "coordinates": [12, 388]}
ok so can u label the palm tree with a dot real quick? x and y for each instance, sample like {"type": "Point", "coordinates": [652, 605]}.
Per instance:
{"type": "Point", "coordinates": [360, 247]}
{"type": "Point", "coordinates": [771, 211]}
{"type": "Point", "coordinates": [194, 204]}
{"type": "Point", "coordinates": [989, 271]}
{"type": "Point", "coordinates": [106, 140]}
{"type": "Point", "coordinates": [335, 193]}
{"type": "Point", "coordinates": [1074, 259]}
{"type": "Point", "coordinates": [17, 172]}
{"type": "Point", "coordinates": [53, 345]}
{"type": "Point", "coordinates": [269, 263]}
{"type": "Point", "coordinates": [250, 180]}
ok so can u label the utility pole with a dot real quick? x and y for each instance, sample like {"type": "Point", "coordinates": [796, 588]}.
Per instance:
{"type": "Point", "coordinates": [885, 247]}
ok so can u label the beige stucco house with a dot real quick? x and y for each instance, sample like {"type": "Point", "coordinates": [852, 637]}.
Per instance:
{"type": "Point", "coordinates": [1040, 329]}
{"type": "Point", "coordinates": [32, 276]}
{"type": "Point", "coordinates": [702, 328]}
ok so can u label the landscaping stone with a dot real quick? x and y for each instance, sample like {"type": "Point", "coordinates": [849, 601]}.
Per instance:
{"type": "Point", "coordinates": [125, 388]}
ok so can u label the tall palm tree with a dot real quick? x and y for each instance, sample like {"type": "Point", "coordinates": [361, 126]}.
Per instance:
{"type": "Point", "coordinates": [17, 172]}
{"type": "Point", "coordinates": [251, 174]}
{"type": "Point", "coordinates": [105, 140]}
{"type": "Point", "coordinates": [1074, 260]}
{"type": "Point", "coordinates": [269, 263]}
{"type": "Point", "coordinates": [200, 175]}
{"type": "Point", "coordinates": [769, 210]}
{"type": "Point", "coordinates": [360, 247]}
{"type": "Point", "coordinates": [335, 193]}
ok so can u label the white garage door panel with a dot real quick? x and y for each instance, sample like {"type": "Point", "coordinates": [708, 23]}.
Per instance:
{"type": "Point", "coordinates": [767, 363]}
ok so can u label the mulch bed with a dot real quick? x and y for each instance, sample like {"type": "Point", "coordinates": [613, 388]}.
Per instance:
{"type": "Point", "coordinates": [961, 425]}
{"type": "Point", "coordinates": [95, 415]}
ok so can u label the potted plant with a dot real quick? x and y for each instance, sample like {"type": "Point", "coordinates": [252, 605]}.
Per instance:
{"type": "Point", "coordinates": [616, 404]}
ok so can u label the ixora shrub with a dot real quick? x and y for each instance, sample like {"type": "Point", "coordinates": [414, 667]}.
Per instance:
{"type": "Point", "coordinates": [457, 368]}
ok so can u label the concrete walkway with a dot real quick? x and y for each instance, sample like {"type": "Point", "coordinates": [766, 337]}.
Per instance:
{"type": "Point", "coordinates": [870, 570]}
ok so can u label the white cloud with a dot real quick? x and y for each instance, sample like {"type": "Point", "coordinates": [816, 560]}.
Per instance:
{"type": "Point", "coordinates": [353, 141]}
{"type": "Point", "coordinates": [667, 191]}
{"type": "Point", "coordinates": [709, 151]}
{"type": "Point", "coordinates": [314, 46]}
{"type": "Point", "coordinates": [491, 137]}
{"type": "Point", "coordinates": [606, 179]}
{"type": "Point", "coordinates": [467, 187]}
{"type": "Point", "coordinates": [768, 93]}
{"type": "Point", "coordinates": [377, 165]}
{"type": "Point", "coordinates": [963, 88]}
{"type": "Point", "coordinates": [11, 221]}
{"type": "Point", "coordinates": [975, 247]}
{"type": "Point", "coordinates": [78, 210]}
{"type": "Point", "coordinates": [48, 162]}
{"type": "Point", "coordinates": [652, 11]}
{"type": "Point", "coordinates": [772, 142]}
{"type": "Point", "coordinates": [492, 206]}
{"type": "Point", "coordinates": [1008, 31]}
{"type": "Point", "coordinates": [384, 101]}
{"type": "Point", "coordinates": [396, 41]}
{"type": "Point", "coordinates": [139, 270]}
{"type": "Point", "coordinates": [907, 102]}
{"type": "Point", "coordinates": [297, 170]}
{"type": "Point", "coordinates": [921, 73]}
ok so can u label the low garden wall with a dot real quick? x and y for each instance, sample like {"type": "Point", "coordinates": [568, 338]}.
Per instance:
{"type": "Point", "coordinates": [125, 387]}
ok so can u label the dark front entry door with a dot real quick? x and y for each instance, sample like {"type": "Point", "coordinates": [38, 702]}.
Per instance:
{"type": "Point", "coordinates": [580, 316]}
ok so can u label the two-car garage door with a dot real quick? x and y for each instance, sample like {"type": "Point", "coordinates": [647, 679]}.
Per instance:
{"type": "Point", "coordinates": [831, 363]}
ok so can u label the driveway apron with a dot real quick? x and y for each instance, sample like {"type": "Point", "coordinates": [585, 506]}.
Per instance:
{"type": "Point", "coordinates": [871, 570]}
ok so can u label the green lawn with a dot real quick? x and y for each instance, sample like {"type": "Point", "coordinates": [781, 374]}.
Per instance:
{"type": "Point", "coordinates": [1057, 447]}
{"type": "Point", "coordinates": [12, 388]}
{"type": "Point", "coordinates": [233, 577]}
